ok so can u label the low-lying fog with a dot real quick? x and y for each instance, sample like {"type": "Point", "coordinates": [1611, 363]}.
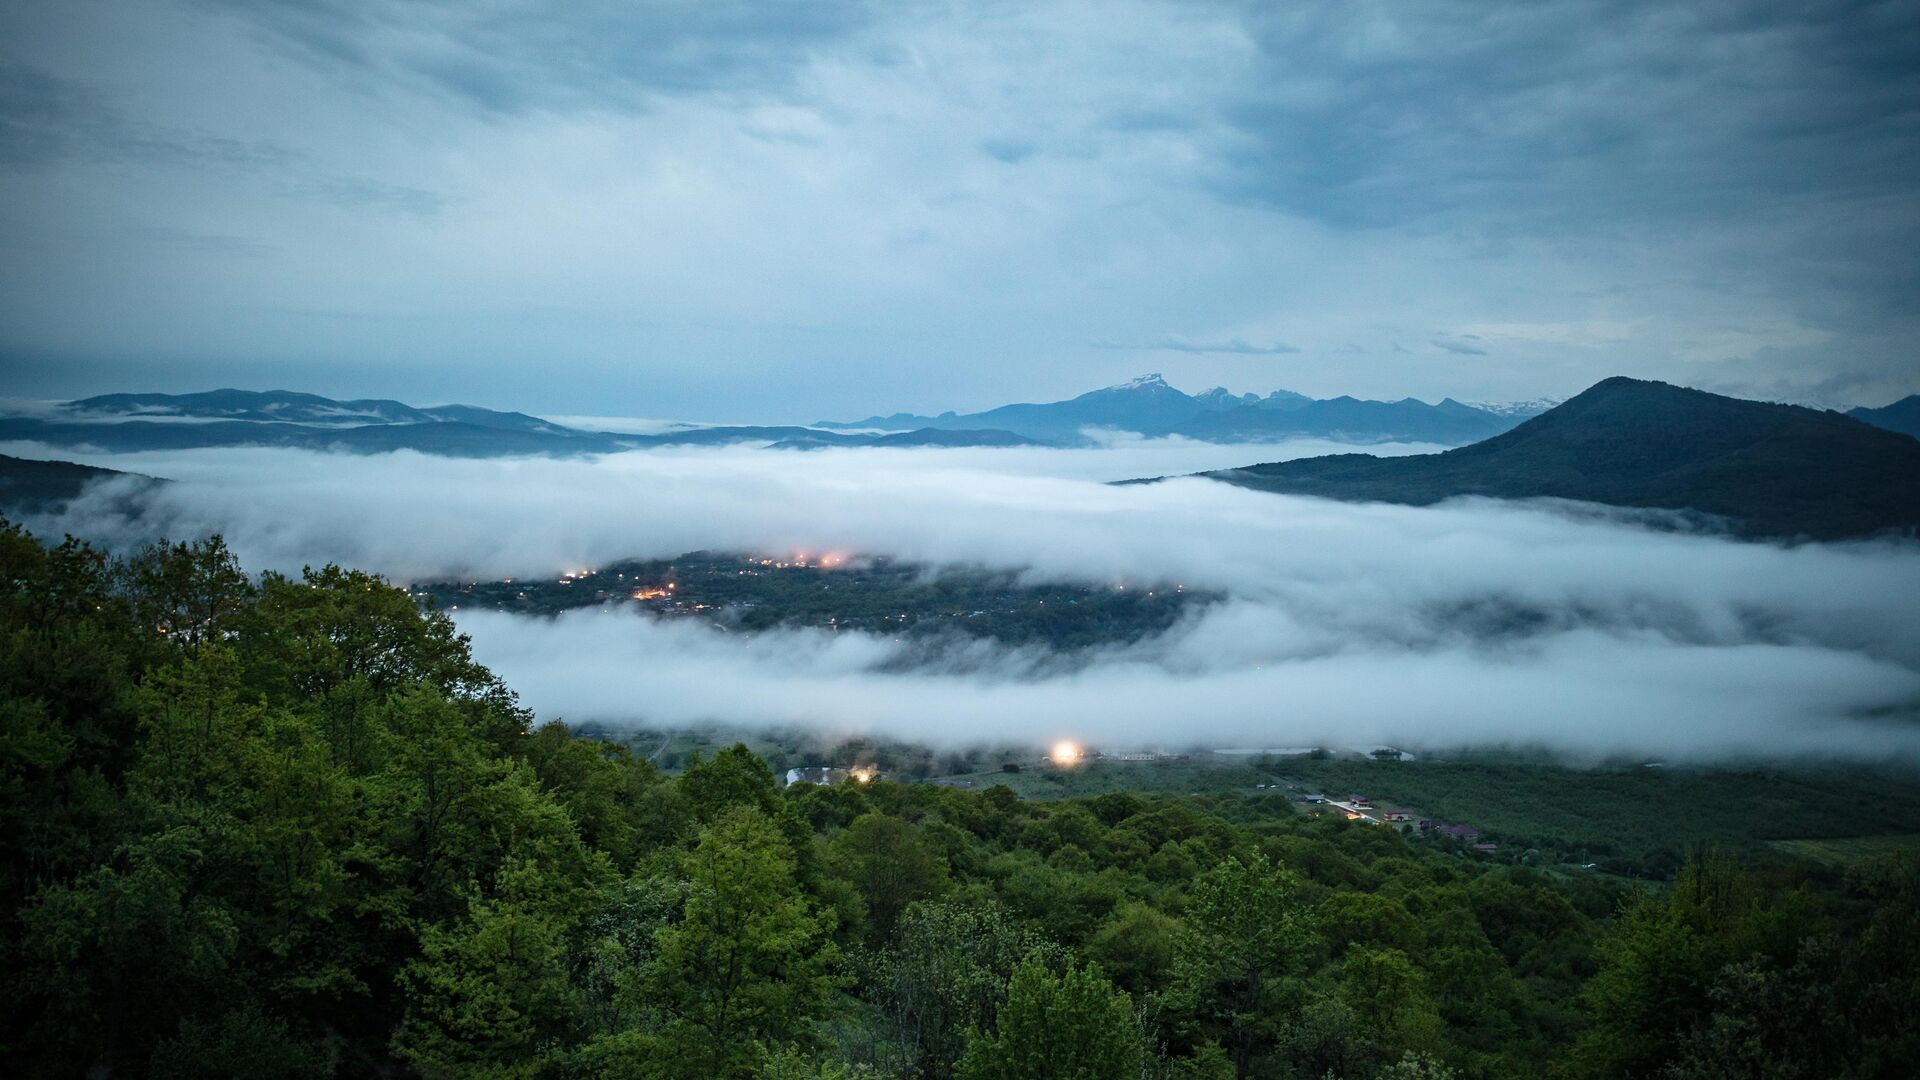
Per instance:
{"type": "Point", "coordinates": [1471, 622]}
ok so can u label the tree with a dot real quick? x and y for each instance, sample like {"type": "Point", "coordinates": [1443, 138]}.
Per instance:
{"type": "Point", "coordinates": [1136, 943]}
{"type": "Point", "coordinates": [886, 861]}
{"type": "Point", "coordinates": [1388, 993]}
{"type": "Point", "coordinates": [1659, 967]}
{"type": "Point", "coordinates": [1074, 1026]}
{"type": "Point", "coordinates": [945, 975]}
{"type": "Point", "coordinates": [1356, 918]}
{"type": "Point", "coordinates": [189, 594]}
{"type": "Point", "coordinates": [490, 995]}
{"type": "Point", "coordinates": [1246, 932]}
{"type": "Point", "coordinates": [746, 965]}
{"type": "Point", "coordinates": [1417, 1066]}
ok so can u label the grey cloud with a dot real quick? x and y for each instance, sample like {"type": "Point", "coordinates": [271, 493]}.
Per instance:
{"type": "Point", "coordinates": [1778, 138]}
{"type": "Point", "coordinates": [1460, 348]}
{"type": "Point", "coordinates": [46, 120]}
{"type": "Point", "coordinates": [1229, 346]}
{"type": "Point", "coordinates": [1011, 151]}
{"type": "Point", "coordinates": [1377, 114]}
{"type": "Point", "coordinates": [368, 194]}
{"type": "Point", "coordinates": [210, 243]}
{"type": "Point", "coordinates": [543, 54]}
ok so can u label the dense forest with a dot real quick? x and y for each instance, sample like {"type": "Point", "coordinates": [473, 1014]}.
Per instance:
{"type": "Point", "coordinates": [286, 827]}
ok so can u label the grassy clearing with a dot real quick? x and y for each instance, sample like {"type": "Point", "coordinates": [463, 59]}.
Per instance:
{"type": "Point", "coordinates": [1844, 851]}
{"type": "Point", "coordinates": [1642, 818]}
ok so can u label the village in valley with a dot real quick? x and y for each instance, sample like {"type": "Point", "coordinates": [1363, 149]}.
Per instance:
{"type": "Point", "coordinates": [839, 592]}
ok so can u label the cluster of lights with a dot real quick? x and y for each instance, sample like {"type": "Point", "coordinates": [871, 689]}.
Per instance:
{"type": "Point", "coordinates": [828, 561]}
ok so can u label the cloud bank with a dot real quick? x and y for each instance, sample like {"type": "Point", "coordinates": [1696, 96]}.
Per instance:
{"type": "Point", "coordinates": [1469, 622]}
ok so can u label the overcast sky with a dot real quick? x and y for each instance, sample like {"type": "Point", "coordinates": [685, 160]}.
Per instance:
{"type": "Point", "coordinates": [793, 211]}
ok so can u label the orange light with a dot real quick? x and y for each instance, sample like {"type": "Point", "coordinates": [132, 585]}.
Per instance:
{"type": "Point", "coordinates": [1065, 753]}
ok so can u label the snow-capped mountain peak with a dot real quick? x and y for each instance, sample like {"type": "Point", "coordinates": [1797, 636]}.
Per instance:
{"type": "Point", "coordinates": [1521, 409]}
{"type": "Point", "coordinates": [1152, 381]}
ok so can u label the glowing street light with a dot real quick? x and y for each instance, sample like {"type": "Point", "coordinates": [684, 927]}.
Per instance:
{"type": "Point", "coordinates": [1065, 753]}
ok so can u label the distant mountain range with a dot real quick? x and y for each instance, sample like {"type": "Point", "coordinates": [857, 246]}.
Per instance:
{"type": "Point", "coordinates": [123, 423]}
{"type": "Point", "coordinates": [288, 407]}
{"type": "Point", "coordinates": [1779, 471]}
{"type": "Point", "coordinates": [1149, 406]}
{"type": "Point", "coordinates": [1771, 471]}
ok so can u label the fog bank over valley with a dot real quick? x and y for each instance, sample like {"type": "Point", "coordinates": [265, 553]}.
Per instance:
{"type": "Point", "coordinates": [1472, 622]}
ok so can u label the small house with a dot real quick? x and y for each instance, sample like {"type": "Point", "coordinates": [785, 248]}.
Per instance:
{"type": "Point", "coordinates": [1399, 815]}
{"type": "Point", "coordinates": [815, 774]}
{"type": "Point", "coordinates": [1460, 832]}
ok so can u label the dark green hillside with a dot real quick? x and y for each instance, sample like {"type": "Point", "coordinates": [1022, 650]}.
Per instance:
{"type": "Point", "coordinates": [1773, 470]}
{"type": "Point", "coordinates": [286, 827]}
{"type": "Point", "coordinates": [28, 485]}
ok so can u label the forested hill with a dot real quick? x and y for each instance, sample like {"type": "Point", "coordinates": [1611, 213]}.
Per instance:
{"type": "Point", "coordinates": [1773, 470]}
{"type": "Point", "coordinates": [28, 485]}
{"type": "Point", "coordinates": [286, 827]}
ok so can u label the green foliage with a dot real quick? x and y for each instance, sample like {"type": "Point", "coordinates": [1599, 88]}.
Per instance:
{"type": "Point", "coordinates": [1246, 934]}
{"type": "Point", "coordinates": [1136, 943]}
{"type": "Point", "coordinates": [945, 976]}
{"type": "Point", "coordinates": [1073, 1026]}
{"type": "Point", "coordinates": [489, 995]}
{"type": "Point", "coordinates": [885, 859]}
{"type": "Point", "coordinates": [1417, 1066]}
{"type": "Point", "coordinates": [747, 963]}
{"type": "Point", "coordinates": [288, 827]}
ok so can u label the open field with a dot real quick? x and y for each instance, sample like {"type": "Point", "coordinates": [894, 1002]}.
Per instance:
{"type": "Point", "coordinates": [1845, 851]}
{"type": "Point", "coordinates": [1624, 818]}
{"type": "Point", "coordinates": [1632, 817]}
